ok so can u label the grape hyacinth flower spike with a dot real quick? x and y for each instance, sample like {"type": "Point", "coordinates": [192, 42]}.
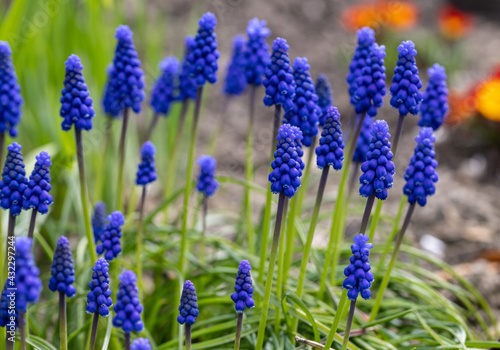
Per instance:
{"type": "Point", "coordinates": [362, 147]}
{"type": "Point", "coordinates": [99, 298]}
{"type": "Point", "coordinates": [242, 296]}
{"type": "Point", "coordinates": [141, 344]}
{"type": "Point", "coordinates": [434, 107]}
{"type": "Point", "coordinates": [236, 81]}
{"type": "Point", "coordinates": [188, 310]}
{"type": "Point", "coordinates": [325, 98]}
{"type": "Point", "coordinates": [111, 237]}
{"type": "Point", "coordinates": [99, 220]}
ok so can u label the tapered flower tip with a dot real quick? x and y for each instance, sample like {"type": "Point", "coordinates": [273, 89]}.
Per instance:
{"type": "Point", "coordinates": [170, 65]}
{"type": "Point", "coordinates": [280, 44]}
{"type": "Point", "coordinates": [14, 147]}
{"type": "Point", "coordinates": [366, 36]}
{"type": "Point", "coordinates": [407, 48]}
{"type": "Point", "coordinates": [73, 63]}
{"type": "Point", "coordinates": [116, 219]}
{"type": "Point", "coordinates": [238, 42]}
{"type": "Point", "coordinates": [148, 149]}
{"type": "Point", "coordinates": [437, 73]}
{"type": "Point", "coordinates": [426, 136]}
{"type": "Point", "coordinates": [23, 245]}
{"type": "Point", "coordinates": [189, 41]}
{"type": "Point", "coordinates": [257, 28]}
{"type": "Point", "coordinates": [208, 21]}
{"type": "Point", "coordinates": [380, 129]}
{"type": "Point", "coordinates": [289, 133]}
{"type": "Point", "coordinates": [207, 163]}
{"type": "Point", "coordinates": [140, 344]}
{"type": "Point", "coordinates": [128, 277]}
{"type": "Point", "coordinates": [5, 49]}
{"type": "Point", "coordinates": [300, 63]}
{"type": "Point", "coordinates": [360, 242]}
{"type": "Point", "coordinates": [124, 33]}
{"type": "Point", "coordinates": [188, 308]}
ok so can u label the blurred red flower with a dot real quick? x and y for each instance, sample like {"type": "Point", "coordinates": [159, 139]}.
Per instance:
{"type": "Point", "coordinates": [454, 23]}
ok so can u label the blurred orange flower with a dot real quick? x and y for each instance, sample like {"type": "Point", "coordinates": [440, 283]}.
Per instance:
{"type": "Point", "coordinates": [461, 107]}
{"type": "Point", "coordinates": [487, 99]}
{"type": "Point", "coordinates": [398, 15]}
{"type": "Point", "coordinates": [454, 23]}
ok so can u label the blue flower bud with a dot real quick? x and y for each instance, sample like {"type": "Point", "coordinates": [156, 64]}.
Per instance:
{"type": "Point", "coordinates": [147, 169]}
{"type": "Point", "coordinates": [111, 237]}
{"type": "Point", "coordinates": [243, 290]}
{"type": "Point", "coordinates": [236, 81]}
{"type": "Point", "coordinates": [140, 344]}
{"type": "Point", "coordinates": [36, 195]}
{"type": "Point", "coordinates": [366, 41]}
{"type": "Point", "coordinates": [99, 220]}
{"type": "Point", "coordinates": [163, 95]}
{"type": "Point", "coordinates": [325, 99]}
{"type": "Point", "coordinates": [434, 105]}
{"type": "Point", "coordinates": [188, 307]}
{"type": "Point", "coordinates": [330, 151]}
{"type": "Point", "coordinates": [187, 85]}
{"type": "Point", "coordinates": [99, 297]}
{"type": "Point", "coordinates": [207, 184]}
{"type": "Point", "coordinates": [10, 94]}
{"type": "Point", "coordinates": [358, 276]}
{"type": "Point", "coordinates": [128, 306]}
{"type": "Point", "coordinates": [256, 54]}
{"type": "Point", "coordinates": [62, 271]}
{"type": "Point", "coordinates": [14, 182]}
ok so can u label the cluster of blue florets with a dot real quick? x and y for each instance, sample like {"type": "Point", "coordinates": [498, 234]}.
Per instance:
{"type": "Point", "coordinates": [203, 54]}
{"type": "Point", "coordinates": [325, 98]}
{"type": "Point", "coordinates": [4, 307]}
{"type": "Point", "coordinates": [330, 151]}
{"type": "Point", "coordinates": [366, 40]}
{"type": "Point", "coordinates": [14, 182]}
{"type": "Point", "coordinates": [279, 82]}
{"type": "Point", "coordinates": [421, 174]}
{"type": "Point", "coordinates": [99, 297]}
{"type": "Point", "coordinates": [378, 169]}
{"type": "Point", "coordinates": [110, 108]}
{"type": "Point", "coordinates": [111, 237]}
{"type": "Point", "coordinates": [147, 168]}
{"type": "Point", "coordinates": [434, 106]}
{"type": "Point", "coordinates": [163, 93]}
{"type": "Point", "coordinates": [236, 81]}
{"type": "Point", "coordinates": [406, 83]}
{"type": "Point", "coordinates": [10, 93]}
{"type": "Point", "coordinates": [243, 290]}
{"type": "Point", "coordinates": [188, 307]}
{"type": "Point", "coordinates": [140, 344]}
{"type": "Point", "coordinates": [187, 85]}
{"type": "Point", "coordinates": [36, 195]}
{"type": "Point", "coordinates": [128, 307]}
{"type": "Point", "coordinates": [363, 142]}
{"type": "Point", "coordinates": [207, 184]}
{"type": "Point", "coordinates": [76, 105]}
{"type": "Point", "coordinates": [358, 276]}
{"type": "Point", "coordinates": [99, 220]}
{"type": "Point", "coordinates": [62, 271]}
{"type": "Point", "coordinates": [256, 54]}
{"type": "Point", "coordinates": [305, 112]}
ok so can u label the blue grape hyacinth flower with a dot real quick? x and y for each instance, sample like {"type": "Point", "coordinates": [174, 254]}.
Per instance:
{"type": "Point", "coordinates": [128, 306]}
{"type": "Point", "coordinates": [207, 184]}
{"type": "Point", "coordinates": [126, 79]}
{"type": "Point", "coordinates": [10, 93]}
{"type": "Point", "coordinates": [256, 53]}
{"type": "Point", "coordinates": [99, 297]}
{"type": "Point", "coordinates": [110, 108]}
{"type": "Point", "coordinates": [187, 85]}
{"type": "Point", "coordinates": [236, 81]}
{"type": "Point", "coordinates": [163, 93]}
{"type": "Point", "coordinates": [359, 279]}
{"type": "Point", "coordinates": [141, 344]}
{"type": "Point", "coordinates": [4, 307]}
{"type": "Point", "coordinates": [203, 54]}
{"type": "Point", "coordinates": [305, 112]}
{"type": "Point", "coordinates": [406, 83]}
{"type": "Point", "coordinates": [421, 174]}
{"type": "Point", "coordinates": [363, 142]}
{"type": "Point", "coordinates": [36, 195]}
{"type": "Point", "coordinates": [77, 107]}
{"type": "Point", "coordinates": [325, 98]}
{"type": "Point", "coordinates": [378, 168]}
{"type": "Point", "coordinates": [434, 106]}
{"type": "Point", "coordinates": [62, 271]}
{"type": "Point", "coordinates": [147, 168]}
{"type": "Point", "coordinates": [279, 82]}
{"type": "Point", "coordinates": [330, 151]}
{"type": "Point", "coordinates": [366, 40]}
{"type": "Point", "coordinates": [188, 307]}
{"type": "Point", "coordinates": [111, 237]}
{"type": "Point", "coordinates": [14, 182]}
{"type": "Point", "coordinates": [287, 165]}
{"type": "Point", "coordinates": [99, 220]}
{"type": "Point", "coordinates": [243, 290]}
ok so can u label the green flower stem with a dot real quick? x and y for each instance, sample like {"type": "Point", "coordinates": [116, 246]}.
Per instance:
{"type": "Point", "coordinates": [140, 247]}
{"type": "Point", "coordinates": [394, 231]}
{"type": "Point", "coordinates": [387, 276]}
{"type": "Point", "coordinates": [152, 126]}
{"type": "Point", "coordinates": [127, 341]}
{"type": "Point", "coordinates": [22, 331]}
{"type": "Point", "coordinates": [399, 130]}
{"type": "Point", "coordinates": [375, 219]}
{"type": "Point", "coordinates": [249, 173]}
{"type": "Point", "coordinates": [93, 333]}
{"type": "Point", "coordinates": [266, 224]}
{"type": "Point", "coordinates": [100, 180]}
{"type": "Point", "coordinates": [366, 214]}
{"type": "Point", "coordinates": [63, 326]}
{"type": "Point", "coordinates": [121, 162]}
{"type": "Point", "coordinates": [239, 325]}
{"type": "Point", "coordinates": [354, 176]}
{"type": "Point", "coordinates": [349, 324]}
{"type": "Point", "coordinates": [281, 263]}
{"type": "Point", "coordinates": [188, 337]}
{"type": "Point", "coordinates": [203, 236]}
{"type": "Point", "coordinates": [270, 271]}
{"type": "Point", "coordinates": [31, 229]}
{"type": "Point", "coordinates": [212, 144]}
{"type": "Point", "coordinates": [189, 179]}
{"type": "Point", "coordinates": [336, 320]}
{"type": "Point", "coordinates": [84, 195]}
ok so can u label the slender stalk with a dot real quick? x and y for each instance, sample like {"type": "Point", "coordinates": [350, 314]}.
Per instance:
{"type": "Point", "coordinates": [189, 179]}
{"type": "Point", "coordinates": [9, 345]}
{"type": "Point", "coordinates": [281, 263]}
{"type": "Point", "coordinates": [140, 246]}
{"type": "Point", "coordinates": [203, 236]}
{"type": "Point", "coordinates": [336, 320]}
{"type": "Point", "coordinates": [22, 331]}
{"type": "Point", "coordinates": [349, 324]}
{"type": "Point", "coordinates": [366, 214]}
{"type": "Point", "coordinates": [239, 325]}
{"type": "Point", "coordinates": [10, 233]}
{"type": "Point", "coordinates": [394, 232]}
{"type": "Point", "coordinates": [394, 256]}
{"type": "Point", "coordinates": [352, 123]}
{"type": "Point", "coordinates": [127, 341]}
{"type": "Point", "coordinates": [84, 194]}
{"type": "Point", "coordinates": [152, 126]}
{"type": "Point", "coordinates": [63, 325]}
{"type": "Point", "coordinates": [399, 129]}
{"type": "Point", "coordinates": [249, 173]}
{"type": "Point", "coordinates": [188, 337]}
{"type": "Point", "coordinates": [99, 187]}
{"type": "Point", "coordinates": [31, 229]}
{"type": "Point", "coordinates": [121, 161]}
{"type": "Point", "coordinates": [93, 334]}
{"type": "Point", "coordinates": [212, 145]}
{"type": "Point", "coordinates": [354, 140]}
{"type": "Point", "coordinates": [270, 272]}
{"type": "Point", "coordinates": [375, 219]}
{"type": "Point", "coordinates": [353, 178]}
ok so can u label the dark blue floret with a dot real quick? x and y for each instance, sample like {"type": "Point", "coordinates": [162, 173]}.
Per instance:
{"type": "Point", "coordinates": [126, 79]}
{"type": "Point", "coordinates": [325, 98]}
{"type": "Point", "coordinates": [378, 168]}
{"type": "Point", "coordinates": [76, 105]}
{"type": "Point", "coordinates": [207, 184]}
{"type": "Point", "coordinates": [99, 220]}
{"type": "Point", "coordinates": [14, 180]}
{"type": "Point", "coordinates": [99, 297]}
{"type": "Point", "coordinates": [406, 84]}
{"type": "Point", "coordinates": [358, 276]}
{"type": "Point", "coordinates": [236, 81]}
{"type": "Point", "coordinates": [256, 54]}
{"type": "Point", "coordinates": [279, 82]}
{"type": "Point", "coordinates": [141, 344]}
{"type": "Point", "coordinates": [188, 307]}
{"type": "Point", "coordinates": [111, 237]}
{"type": "Point", "coordinates": [110, 108]}
{"type": "Point", "coordinates": [62, 271]}
{"type": "Point", "coordinates": [187, 85]}
{"type": "Point", "coordinates": [287, 165]}
{"type": "Point", "coordinates": [305, 112]}
{"type": "Point", "coordinates": [163, 93]}
{"type": "Point", "coordinates": [36, 195]}
{"type": "Point", "coordinates": [5, 298]}
{"type": "Point", "coordinates": [203, 55]}
{"type": "Point", "coordinates": [363, 142]}
{"type": "Point", "coordinates": [147, 168]}
{"type": "Point", "coordinates": [421, 174]}
{"type": "Point", "coordinates": [243, 290]}
{"type": "Point", "coordinates": [366, 40]}
{"type": "Point", "coordinates": [10, 92]}
{"type": "Point", "coordinates": [128, 306]}
{"type": "Point", "coordinates": [434, 107]}
{"type": "Point", "coordinates": [330, 151]}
